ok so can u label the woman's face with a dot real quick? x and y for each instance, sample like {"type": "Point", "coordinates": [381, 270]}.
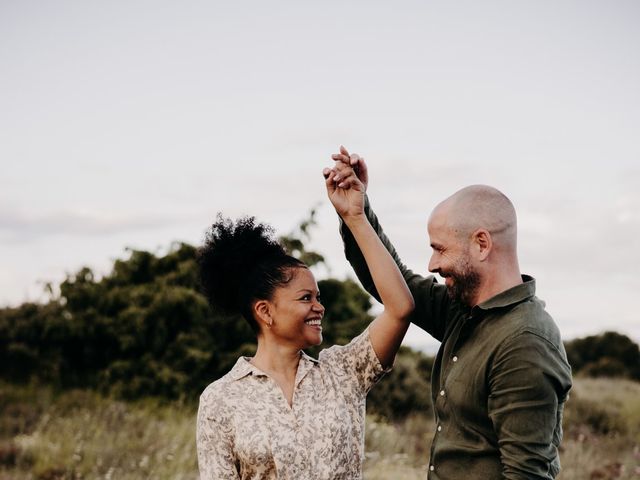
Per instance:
{"type": "Point", "coordinates": [297, 311]}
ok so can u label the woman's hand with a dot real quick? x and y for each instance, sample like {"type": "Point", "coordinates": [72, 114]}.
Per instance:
{"type": "Point", "coordinates": [345, 191]}
{"type": "Point", "coordinates": [355, 161]}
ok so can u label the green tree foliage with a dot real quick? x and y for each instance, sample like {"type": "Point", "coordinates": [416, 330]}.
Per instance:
{"type": "Point", "coordinates": [609, 354]}
{"type": "Point", "coordinates": [406, 389]}
{"type": "Point", "coordinates": [294, 242]}
{"type": "Point", "coordinates": [145, 330]}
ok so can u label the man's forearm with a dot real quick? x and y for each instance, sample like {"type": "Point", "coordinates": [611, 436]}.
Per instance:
{"type": "Point", "coordinates": [429, 297]}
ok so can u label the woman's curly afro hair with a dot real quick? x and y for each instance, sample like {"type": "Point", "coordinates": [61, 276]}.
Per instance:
{"type": "Point", "coordinates": [241, 262]}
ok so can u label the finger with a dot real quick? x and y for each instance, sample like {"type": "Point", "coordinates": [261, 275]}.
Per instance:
{"type": "Point", "coordinates": [344, 151]}
{"type": "Point", "coordinates": [362, 170]}
{"type": "Point", "coordinates": [349, 179]}
{"type": "Point", "coordinates": [341, 170]}
{"type": "Point", "coordinates": [345, 184]}
{"type": "Point", "coordinates": [326, 172]}
{"type": "Point", "coordinates": [329, 180]}
{"type": "Point", "coordinates": [342, 167]}
{"type": "Point", "coordinates": [338, 157]}
{"type": "Point", "coordinates": [354, 158]}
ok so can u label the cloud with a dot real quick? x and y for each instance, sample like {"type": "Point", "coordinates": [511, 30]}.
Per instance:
{"type": "Point", "coordinates": [595, 238]}
{"type": "Point", "coordinates": [23, 226]}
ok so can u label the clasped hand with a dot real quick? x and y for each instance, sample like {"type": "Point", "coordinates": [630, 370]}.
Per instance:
{"type": "Point", "coordinates": [344, 188]}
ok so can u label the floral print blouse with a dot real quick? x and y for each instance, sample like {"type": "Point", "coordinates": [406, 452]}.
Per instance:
{"type": "Point", "coordinates": [247, 430]}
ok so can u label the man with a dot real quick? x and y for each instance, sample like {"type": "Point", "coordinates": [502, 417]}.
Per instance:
{"type": "Point", "coordinates": [501, 377]}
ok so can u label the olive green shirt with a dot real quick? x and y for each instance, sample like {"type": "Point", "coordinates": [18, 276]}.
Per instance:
{"type": "Point", "coordinates": [499, 381]}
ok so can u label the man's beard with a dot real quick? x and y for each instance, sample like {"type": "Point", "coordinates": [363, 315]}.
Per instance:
{"type": "Point", "coordinates": [465, 283]}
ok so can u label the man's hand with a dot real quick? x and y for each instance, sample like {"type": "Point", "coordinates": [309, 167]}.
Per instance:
{"type": "Point", "coordinates": [356, 162]}
{"type": "Point", "coordinates": [345, 191]}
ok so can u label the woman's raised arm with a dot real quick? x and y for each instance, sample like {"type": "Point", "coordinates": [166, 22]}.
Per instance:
{"type": "Point", "coordinates": [346, 193]}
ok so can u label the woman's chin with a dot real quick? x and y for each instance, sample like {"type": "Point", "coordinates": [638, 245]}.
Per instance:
{"type": "Point", "coordinates": [315, 340]}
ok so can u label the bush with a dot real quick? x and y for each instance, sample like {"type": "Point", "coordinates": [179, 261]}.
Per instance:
{"type": "Point", "coordinates": [587, 355]}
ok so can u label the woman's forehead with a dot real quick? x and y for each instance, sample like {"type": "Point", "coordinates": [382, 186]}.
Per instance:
{"type": "Point", "coordinates": [302, 279]}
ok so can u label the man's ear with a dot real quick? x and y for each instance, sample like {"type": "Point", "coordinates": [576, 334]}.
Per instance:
{"type": "Point", "coordinates": [262, 312]}
{"type": "Point", "coordinates": [482, 244]}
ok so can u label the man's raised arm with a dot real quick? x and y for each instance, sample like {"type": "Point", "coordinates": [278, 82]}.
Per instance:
{"type": "Point", "coordinates": [430, 298]}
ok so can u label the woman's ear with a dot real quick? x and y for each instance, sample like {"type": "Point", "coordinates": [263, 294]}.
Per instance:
{"type": "Point", "coordinates": [262, 312]}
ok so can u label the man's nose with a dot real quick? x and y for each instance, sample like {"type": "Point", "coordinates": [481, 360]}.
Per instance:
{"type": "Point", "coordinates": [434, 265]}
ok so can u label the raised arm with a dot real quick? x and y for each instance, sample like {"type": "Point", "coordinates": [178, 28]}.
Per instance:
{"type": "Point", "coordinates": [430, 297]}
{"type": "Point", "coordinates": [386, 332]}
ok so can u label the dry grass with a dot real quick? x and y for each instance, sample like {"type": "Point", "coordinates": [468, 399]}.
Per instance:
{"type": "Point", "coordinates": [602, 430]}
{"type": "Point", "coordinates": [80, 435]}
{"type": "Point", "coordinates": [83, 436]}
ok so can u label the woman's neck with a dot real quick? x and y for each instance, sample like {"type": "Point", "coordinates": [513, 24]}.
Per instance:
{"type": "Point", "coordinates": [276, 359]}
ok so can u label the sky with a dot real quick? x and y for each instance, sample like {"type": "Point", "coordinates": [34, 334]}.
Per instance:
{"type": "Point", "coordinates": [130, 124]}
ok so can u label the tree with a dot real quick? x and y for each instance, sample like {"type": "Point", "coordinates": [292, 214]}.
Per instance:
{"type": "Point", "coordinates": [607, 354]}
{"type": "Point", "coordinates": [145, 329]}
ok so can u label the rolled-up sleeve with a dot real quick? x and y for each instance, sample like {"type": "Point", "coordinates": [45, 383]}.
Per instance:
{"type": "Point", "coordinates": [528, 382]}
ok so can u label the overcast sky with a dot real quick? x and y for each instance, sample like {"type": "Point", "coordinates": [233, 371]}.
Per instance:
{"type": "Point", "coordinates": [131, 123]}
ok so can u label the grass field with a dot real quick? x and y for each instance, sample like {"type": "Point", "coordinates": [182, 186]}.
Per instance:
{"type": "Point", "coordinates": [80, 435]}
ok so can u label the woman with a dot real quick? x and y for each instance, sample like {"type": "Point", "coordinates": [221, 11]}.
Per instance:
{"type": "Point", "coordinates": [281, 413]}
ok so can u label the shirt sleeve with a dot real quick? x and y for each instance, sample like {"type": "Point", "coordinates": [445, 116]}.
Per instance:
{"type": "Point", "coordinates": [214, 439]}
{"type": "Point", "coordinates": [529, 383]}
{"type": "Point", "coordinates": [356, 361]}
{"type": "Point", "coordinates": [430, 297]}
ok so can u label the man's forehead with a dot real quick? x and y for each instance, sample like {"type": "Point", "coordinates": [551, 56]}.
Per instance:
{"type": "Point", "coordinates": [438, 218]}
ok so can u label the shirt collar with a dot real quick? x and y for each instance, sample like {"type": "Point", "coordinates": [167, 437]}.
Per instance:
{"type": "Point", "coordinates": [517, 294]}
{"type": "Point", "coordinates": [244, 367]}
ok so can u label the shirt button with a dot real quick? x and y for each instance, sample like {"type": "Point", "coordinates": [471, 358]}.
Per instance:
{"type": "Point", "coordinates": [439, 428]}
{"type": "Point", "coordinates": [432, 468]}
{"type": "Point", "coordinates": [455, 358]}
{"type": "Point", "coordinates": [442, 393]}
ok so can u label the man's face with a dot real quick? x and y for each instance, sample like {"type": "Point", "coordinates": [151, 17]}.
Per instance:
{"type": "Point", "coordinates": [462, 280]}
{"type": "Point", "coordinates": [452, 261]}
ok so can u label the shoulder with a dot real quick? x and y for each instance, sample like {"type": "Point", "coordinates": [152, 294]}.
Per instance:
{"type": "Point", "coordinates": [530, 319]}
{"type": "Point", "coordinates": [528, 328]}
{"type": "Point", "coordinates": [359, 345]}
{"type": "Point", "coordinates": [217, 396]}
{"type": "Point", "coordinates": [534, 342]}
{"type": "Point", "coordinates": [353, 364]}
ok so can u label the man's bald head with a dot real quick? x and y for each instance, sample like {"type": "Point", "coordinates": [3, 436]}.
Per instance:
{"type": "Point", "coordinates": [479, 207]}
